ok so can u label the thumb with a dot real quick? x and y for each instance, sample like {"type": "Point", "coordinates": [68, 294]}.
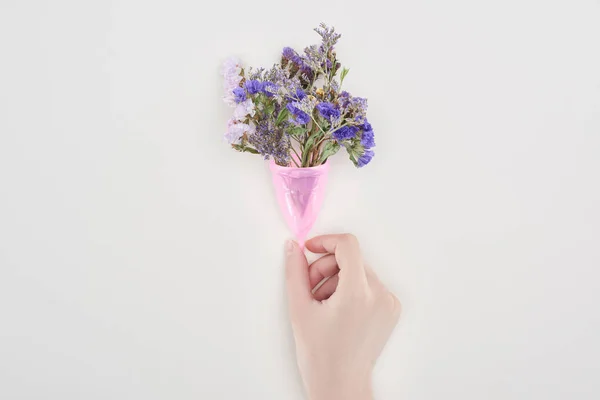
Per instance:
{"type": "Point", "coordinates": [296, 270]}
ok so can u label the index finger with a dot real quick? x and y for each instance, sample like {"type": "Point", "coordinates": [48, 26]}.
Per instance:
{"type": "Point", "coordinates": [347, 254]}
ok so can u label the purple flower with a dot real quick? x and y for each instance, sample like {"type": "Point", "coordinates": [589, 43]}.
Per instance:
{"type": "Point", "coordinates": [306, 70]}
{"type": "Point", "coordinates": [367, 126]}
{"type": "Point", "coordinates": [344, 133]}
{"type": "Point", "coordinates": [368, 136]}
{"type": "Point", "coordinates": [365, 158]}
{"type": "Point", "coordinates": [302, 118]}
{"type": "Point", "coordinates": [368, 139]}
{"type": "Point", "coordinates": [328, 110]}
{"type": "Point", "coordinates": [344, 99]}
{"type": "Point", "coordinates": [299, 116]}
{"type": "Point", "coordinates": [269, 88]}
{"type": "Point", "coordinates": [271, 142]}
{"type": "Point", "coordinates": [359, 102]}
{"type": "Point", "coordinates": [253, 86]}
{"type": "Point", "coordinates": [288, 52]}
{"type": "Point", "coordinates": [239, 95]}
{"type": "Point", "coordinates": [291, 55]}
{"type": "Point", "coordinates": [300, 94]}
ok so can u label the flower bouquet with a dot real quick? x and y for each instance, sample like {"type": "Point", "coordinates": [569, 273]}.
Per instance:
{"type": "Point", "coordinates": [296, 115]}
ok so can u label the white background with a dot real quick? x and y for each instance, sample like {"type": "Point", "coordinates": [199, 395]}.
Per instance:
{"type": "Point", "coordinates": [141, 258]}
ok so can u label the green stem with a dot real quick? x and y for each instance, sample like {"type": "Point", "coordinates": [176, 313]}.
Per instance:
{"type": "Point", "coordinates": [299, 158]}
{"type": "Point", "coordinates": [318, 126]}
{"type": "Point", "coordinates": [322, 140]}
{"type": "Point", "coordinates": [296, 139]}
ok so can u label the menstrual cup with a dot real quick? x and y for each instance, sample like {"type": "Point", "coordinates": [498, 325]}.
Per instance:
{"type": "Point", "coordinates": [300, 193]}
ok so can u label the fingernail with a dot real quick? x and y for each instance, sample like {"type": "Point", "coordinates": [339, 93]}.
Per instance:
{"type": "Point", "coordinates": [289, 246]}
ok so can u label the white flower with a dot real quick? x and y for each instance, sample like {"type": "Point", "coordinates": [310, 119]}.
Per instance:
{"type": "Point", "coordinates": [232, 66]}
{"type": "Point", "coordinates": [229, 98]}
{"type": "Point", "coordinates": [231, 82]}
{"type": "Point", "coordinates": [243, 109]}
{"type": "Point", "coordinates": [236, 130]}
{"type": "Point", "coordinates": [231, 79]}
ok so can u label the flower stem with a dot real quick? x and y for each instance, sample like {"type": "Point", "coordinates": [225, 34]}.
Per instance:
{"type": "Point", "coordinates": [318, 126]}
{"type": "Point", "coordinates": [299, 158]}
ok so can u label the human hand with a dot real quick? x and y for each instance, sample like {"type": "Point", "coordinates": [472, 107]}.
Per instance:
{"type": "Point", "coordinates": [342, 327]}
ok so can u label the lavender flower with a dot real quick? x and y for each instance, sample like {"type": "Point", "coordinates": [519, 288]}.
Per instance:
{"type": "Point", "coordinates": [296, 95]}
{"type": "Point", "coordinates": [307, 104]}
{"type": "Point", "coordinates": [344, 99]}
{"type": "Point", "coordinates": [269, 88]}
{"type": "Point", "coordinates": [368, 139]}
{"type": "Point", "coordinates": [300, 94]}
{"type": "Point", "coordinates": [288, 53]}
{"type": "Point", "coordinates": [299, 117]}
{"type": "Point", "coordinates": [335, 87]}
{"type": "Point", "coordinates": [353, 107]}
{"type": "Point", "coordinates": [239, 94]}
{"type": "Point", "coordinates": [328, 110]}
{"type": "Point", "coordinates": [291, 55]}
{"type": "Point", "coordinates": [359, 102]}
{"type": "Point", "coordinates": [365, 158]}
{"type": "Point", "coordinates": [368, 136]}
{"type": "Point", "coordinates": [271, 142]}
{"type": "Point", "coordinates": [328, 36]}
{"type": "Point", "coordinates": [317, 57]}
{"type": "Point", "coordinates": [344, 133]}
{"type": "Point", "coordinates": [253, 86]}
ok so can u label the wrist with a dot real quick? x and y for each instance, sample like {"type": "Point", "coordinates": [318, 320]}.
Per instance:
{"type": "Point", "coordinates": [352, 388]}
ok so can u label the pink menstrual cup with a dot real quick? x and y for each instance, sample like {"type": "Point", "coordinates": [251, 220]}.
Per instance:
{"type": "Point", "coordinates": [300, 193]}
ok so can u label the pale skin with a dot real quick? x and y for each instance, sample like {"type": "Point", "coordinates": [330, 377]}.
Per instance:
{"type": "Point", "coordinates": [341, 327]}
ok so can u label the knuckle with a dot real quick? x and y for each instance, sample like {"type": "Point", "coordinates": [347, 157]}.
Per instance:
{"type": "Point", "coordinates": [396, 306]}
{"type": "Point", "coordinates": [350, 239]}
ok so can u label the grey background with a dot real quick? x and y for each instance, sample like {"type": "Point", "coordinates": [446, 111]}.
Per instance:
{"type": "Point", "coordinates": [140, 258]}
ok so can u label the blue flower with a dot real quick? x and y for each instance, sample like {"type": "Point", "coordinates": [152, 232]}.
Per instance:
{"type": "Point", "coordinates": [253, 86]}
{"type": "Point", "coordinates": [302, 118]}
{"type": "Point", "coordinates": [344, 99]}
{"type": "Point", "coordinates": [300, 94]}
{"type": "Point", "coordinates": [345, 132]}
{"type": "Point", "coordinates": [367, 126]}
{"type": "Point", "coordinates": [368, 136]}
{"type": "Point", "coordinates": [293, 107]}
{"type": "Point", "coordinates": [299, 116]}
{"type": "Point", "coordinates": [328, 110]}
{"type": "Point", "coordinates": [306, 70]}
{"type": "Point", "coordinates": [291, 55]}
{"type": "Point", "coordinates": [368, 139]}
{"type": "Point", "coordinates": [239, 95]}
{"type": "Point", "coordinates": [269, 88]}
{"type": "Point", "coordinates": [365, 158]}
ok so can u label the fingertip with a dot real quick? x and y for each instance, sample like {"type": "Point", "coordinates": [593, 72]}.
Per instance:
{"type": "Point", "coordinates": [290, 247]}
{"type": "Point", "coordinates": [296, 274]}
{"type": "Point", "coordinates": [314, 245]}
